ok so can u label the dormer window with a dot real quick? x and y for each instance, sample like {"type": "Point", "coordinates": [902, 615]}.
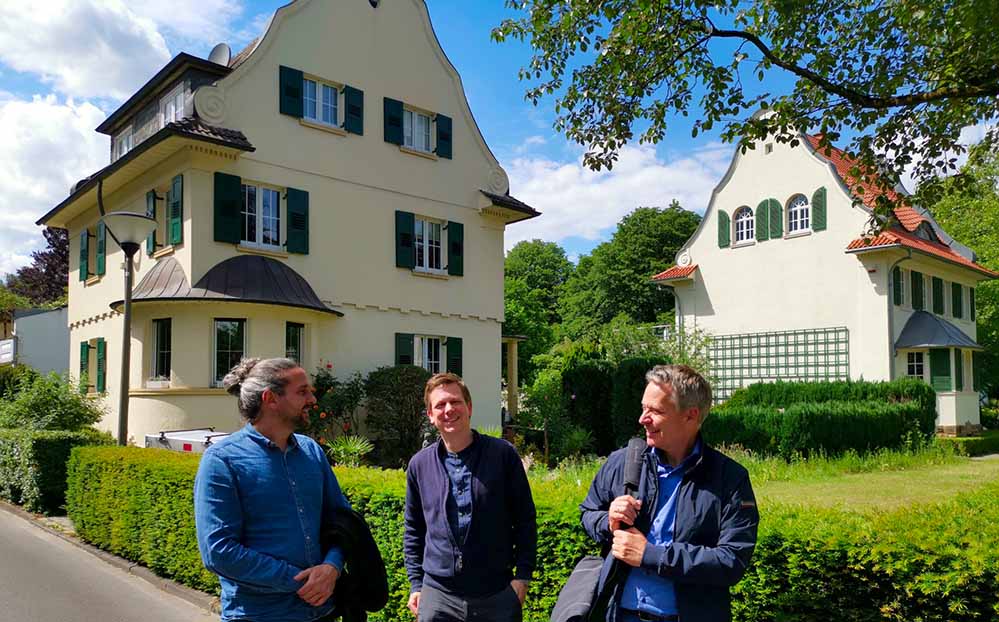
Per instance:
{"type": "Point", "coordinates": [122, 143]}
{"type": "Point", "coordinates": [172, 106]}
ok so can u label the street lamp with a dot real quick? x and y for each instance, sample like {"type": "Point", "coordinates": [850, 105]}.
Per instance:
{"type": "Point", "coordinates": [128, 229]}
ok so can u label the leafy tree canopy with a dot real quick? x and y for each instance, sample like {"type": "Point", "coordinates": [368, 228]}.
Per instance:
{"type": "Point", "coordinates": [46, 278]}
{"type": "Point", "coordinates": [525, 315]}
{"type": "Point", "coordinates": [544, 268]}
{"type": "Point", "coordinates": [898, 78]}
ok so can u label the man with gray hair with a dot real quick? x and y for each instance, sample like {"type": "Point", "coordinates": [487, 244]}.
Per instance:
{"type": "Point", "coordinates": [689, 534]}
{"type": "Point", "coordinates": [259, 500]}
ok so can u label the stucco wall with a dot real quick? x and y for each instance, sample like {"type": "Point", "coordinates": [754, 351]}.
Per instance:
{"type": "Point", "coordinates": [43, 341]}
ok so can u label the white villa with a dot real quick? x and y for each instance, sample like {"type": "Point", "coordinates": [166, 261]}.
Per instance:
{"type": "Point", "coordinates": [780, 274]}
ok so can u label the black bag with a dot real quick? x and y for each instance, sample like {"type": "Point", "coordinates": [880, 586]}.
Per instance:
{"type": "Point", "coordinates": [579, 592]}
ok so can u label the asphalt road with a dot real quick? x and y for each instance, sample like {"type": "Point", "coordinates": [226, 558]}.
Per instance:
{"type": "Point", "coordinates": [46, 579]}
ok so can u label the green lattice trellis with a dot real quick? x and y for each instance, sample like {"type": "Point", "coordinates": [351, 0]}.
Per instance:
{"type": "Point", "coordinates": [792, 355]}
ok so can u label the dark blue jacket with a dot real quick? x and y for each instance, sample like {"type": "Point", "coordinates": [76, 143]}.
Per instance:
{"type": "Point", "coordinates": [714, 537]}
{"type": "Point", "coordinates": [501, 542]}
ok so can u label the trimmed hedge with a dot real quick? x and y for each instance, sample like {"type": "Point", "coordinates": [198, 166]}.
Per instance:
{"type": "Point", "coordinates": [805, 428]}
{"type": "Point", "coordinates": [987, 443]}
{"type": "Point", "coordinates": [587, 398]}
{"type": "Point", "coordinates": [935, 564]}
{"type": "Point", "coordinates": [628, 385]}
{"type": "Point", "coordinates": [33, 466]}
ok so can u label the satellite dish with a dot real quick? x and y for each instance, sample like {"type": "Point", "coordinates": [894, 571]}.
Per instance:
{"type": "Point", "coordinates": [220, 55]}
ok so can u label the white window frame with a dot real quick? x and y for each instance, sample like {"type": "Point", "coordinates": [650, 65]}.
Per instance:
{"type": "Point", "coordinates": [175, 97]}
{"type": "Point", "coordinates": [410, 124]}
{"type": "Point", "coordinates": [915, 362]}
{"type": "Point", "coordinates": [423, 352]}
{"type": "Point", "coordinates": [746, 233]}
{"type": "Point", "coordinates": [799, 215]}
{"type": "Point", "coordinates": [425, 245]}
{"type": "Point", "coordinates": [216, 376]}
{"type": "Point", "coordinates": [322, 100]}
{"type": "Point", "coordinates": [259, 191]}
{"type": "Point", "coordinates": [122, 143]}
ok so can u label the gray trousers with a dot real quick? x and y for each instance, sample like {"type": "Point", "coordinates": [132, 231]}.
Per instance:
{"type": "Point", "coordinates": [438, 606]}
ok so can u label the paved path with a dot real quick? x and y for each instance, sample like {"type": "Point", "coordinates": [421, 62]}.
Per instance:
{"type": "Point", "coordinates": [46, 579]}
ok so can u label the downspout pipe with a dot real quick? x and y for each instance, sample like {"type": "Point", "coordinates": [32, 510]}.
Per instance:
{"type": "Point", "coordinates": [891, 314]}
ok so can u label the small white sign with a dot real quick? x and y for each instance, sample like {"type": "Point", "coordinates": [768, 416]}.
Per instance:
{"type": "Point", "coordinates": [7, 351]}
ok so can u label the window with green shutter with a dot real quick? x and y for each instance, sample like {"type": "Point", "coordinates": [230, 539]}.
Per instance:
{"type": "Point", "coordinates": [896, 285]}
{"type": "Point", "coordinates": [956, 300]}
{"type": "Point", "coordinates": [392, 109]}
{"type": "Point", "coordinates": [175, 211]}
{"type": "Point", "coordinates": [454, 355]}
{"type": "Point", "coordinates": [102, 248]}
{"type": "Point", "coordinates": [938, 296]}
{"type": "Point", "coordinates": [940, 377]}
{"type": "Point", "coordinates": [298, 221]}
{"type": "Point", "coordinates": [958, 369]}
{"type": "Point", "coordinates": [290, 91]}
{"type": "Point", "coordinates": [84, 366]}
{"type": "Point", "coordinates": [776, 219]}
{"type": "Point", "coordinates": [724, 229]}
{"type": "Point", "coordinates": [227, 217]}
{"type": "Point", "coordinates": [403, 348]}
{"type": "Point", "coordinates": [763, 221]}
{"type": "Point", "coordinates": [353, 118]}
{"type": "Point", "coordinates": [443, 124]}
{"type": "Point", "coordinates": [151, 213]}
{"type": "Point", "coordinates": [102, 366]}
{"type": "Point", "coordinates": [405, 249]}
{"type": "Point", "coordinates": [84, 255]}
{"type": "Point", "coordinates": [455, 248]}
{"type": "Point", "coordinates": [917, 290]}
{"type": "Point", "coordinates": [819, 209]}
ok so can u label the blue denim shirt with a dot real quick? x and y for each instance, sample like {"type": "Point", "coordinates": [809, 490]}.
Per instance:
{"type": "Point", "coordinates": [645, 590]}
{"type": "Point", "coordinates": [258, 513]}
{"type": "Point", "coordinates": [459, 504]}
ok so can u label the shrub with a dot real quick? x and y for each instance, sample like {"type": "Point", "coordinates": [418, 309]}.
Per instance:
{"type": "Point", "coordinates": [587, 397]}
{"type": "Point", "coordinates": [49, 403]}
{"type": "Point", "coordinates": [396, 414]}
{"type": "Point", "coordinates": [11, 378]}
{"type": "Point", "coordinates": [626, 396]}
{"type": "Point", "coordinates": [33, 465]}
{"type": "Point", "coordinates": [337, 403]}
{"type": "Point", "coordinates": [987, 443]}
{"type": "Point", "coordinates": [348, 450]}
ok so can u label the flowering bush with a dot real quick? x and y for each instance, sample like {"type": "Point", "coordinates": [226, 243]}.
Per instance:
{"type": "Point", "coordinates": [337, 401]}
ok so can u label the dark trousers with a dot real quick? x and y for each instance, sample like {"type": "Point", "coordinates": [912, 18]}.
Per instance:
{"type": "Point", "coordinates": [438, 606]}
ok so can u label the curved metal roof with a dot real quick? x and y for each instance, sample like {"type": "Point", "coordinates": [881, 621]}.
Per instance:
{"type": "Point", "coordinates": [244, 278]}
{"type": "Point", "coordinates": [925, 330]}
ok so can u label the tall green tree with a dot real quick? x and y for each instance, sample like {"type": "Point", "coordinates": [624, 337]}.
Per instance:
{"type": "Point", "coordinates": [899, 77]}
{"type": "Point", "coordinates": [544, 267]}
{"type": "Point", "coordinates": [614, 279]}
{"type": "Point", "coordinates": [526, 316]}
{"type": "Point", "coordinates": [968, 210]}
{"type": "Point", "coordinates": [46, 278]}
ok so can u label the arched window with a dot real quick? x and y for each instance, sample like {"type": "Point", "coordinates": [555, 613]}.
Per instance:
{"type": "Point", "coordinates": [798, 214]}
{"type": "Point", "coordinates": [744, 225]}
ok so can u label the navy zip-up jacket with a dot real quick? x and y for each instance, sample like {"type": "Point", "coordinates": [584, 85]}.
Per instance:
{"type": "Point", "coordinates": [501, 542]}
{"type": "Point", "coordinates": [713, 540]}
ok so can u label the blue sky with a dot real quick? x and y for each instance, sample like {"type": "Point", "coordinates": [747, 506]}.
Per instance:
{"type": "Point", "coordinates": [66, 64]}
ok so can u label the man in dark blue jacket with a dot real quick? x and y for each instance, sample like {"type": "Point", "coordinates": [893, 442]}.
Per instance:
{"type": "Point", "coordinates": [689, 535]}
{"type": "Point", "coordinates": [471, 528]}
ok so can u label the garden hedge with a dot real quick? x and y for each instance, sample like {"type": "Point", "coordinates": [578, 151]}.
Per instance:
{"type": "Point", "coordinates": [935, 563]}
{"type": "Point", "coordinates": [33, 466]}
{"type": "Point", "coordinates": [628, 385]}
{"type": "Point", "coordinates": [587, 398]}
{"type": "Point", "coordinates": [987, 443]}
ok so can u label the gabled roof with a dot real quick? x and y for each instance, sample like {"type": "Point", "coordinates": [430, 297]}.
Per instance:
{"type": "Point", "coordinates": [675, 273]}
{"type": "Point", "coordinates": [897, 237]}
{"type": "Point", "coordinates": [925, 330]}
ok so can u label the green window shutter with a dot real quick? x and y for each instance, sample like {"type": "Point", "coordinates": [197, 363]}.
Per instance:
{"type": "Point", "coordinates": [393, 121]}
{"type": "Point", "coordinates": [917, 290]}
{"type": "Point", "coordinates": [455, 248]}
{"type": "Point", "coordinates": [151, 212]}
{"type": "Point", "coordinates": [762, 222]}
{"type": "Point", "coordinates": [819, 209]}
{"type": "Point", "coordinates": [102, 366]}
{"type": "Point", "coordinates": [896, 285]}
{"type": "Point", "coordinates": [175, 213]}
{"type": "Point", "coordinates": [405, 235]}
{"type": "Point", "coordinates": [958, 369]}
{"type": "Point", "coordinates": [776, 219]}
{"type": "Point", "coordinates": [940, 378]}
{"type": "Point", "coordinates": [971, 304]}
{"type": "Point", "coordinates": [290, 91]}
{"type": "Point", "coordinates": [84, 365]}
{"type": "Point", "coordinates": [227, 213]}
{"type": "Point", "coordinates": [298, 221]}
{"type": "Point", "coordinates": [443, 124]}
{"type": "Point", "coordinates": [938, 296]}
{"type": "Point", "coordinates": [353, 119]}
{"type": "Point", "coordinates": [84, 255]}
{"type": "Point", "coordinates": [454, 355]}
{"type": "Point", "coordinates": [102, 247]}
{"type": "Point", "coordinates": [957, 300]}
{"type": "Point", "coordinates": [724, 229]}
{"type": "Point", "coordinates": [403, 348]}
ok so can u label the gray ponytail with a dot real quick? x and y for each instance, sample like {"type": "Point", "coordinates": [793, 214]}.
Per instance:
{"type": "Point", "coordinates": [251, 377]}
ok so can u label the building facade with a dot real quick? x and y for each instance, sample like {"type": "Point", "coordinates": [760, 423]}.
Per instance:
{"type": "Point", "coordinates": [325, 195]}
{"type": "Point", "coordinates": [782, 277]}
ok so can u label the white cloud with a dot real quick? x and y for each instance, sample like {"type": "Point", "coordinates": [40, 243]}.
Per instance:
{"type": "Point", "coordinates": [48, 146]}
{"type": "Point", "coordinates": [575, 201]}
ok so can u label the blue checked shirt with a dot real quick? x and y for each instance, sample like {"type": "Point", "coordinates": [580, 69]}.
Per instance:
{"type": "Point", "coordinates": [258, 513]}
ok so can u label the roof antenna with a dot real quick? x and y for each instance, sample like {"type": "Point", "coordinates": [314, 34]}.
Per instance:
{"type": "Point", "coordinates": [221, 54]}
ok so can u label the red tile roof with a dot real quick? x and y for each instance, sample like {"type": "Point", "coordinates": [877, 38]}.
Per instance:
{"type": "Point", "coordinates": [898, 237]}
{"type": "Point", "coordinates": [675, 272]}
{"type": "Point", "coordinates": [906, 215]}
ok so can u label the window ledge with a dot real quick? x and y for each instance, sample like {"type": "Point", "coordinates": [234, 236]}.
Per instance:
{"type": "Point", "coordinates": [256, 250]}
{"type": "Point", "coordinates": [797, 234]}
{"type": "Point", "coordinates": [432, 274]}
{"type": "Point", "coordinates": [744, 243]}
{"type": "Point", "coordinates": [176, 391]}
{"type": "Point", "coordinates": [155, 383]}
{"type": "Point", "coordinates": [332, 129]}
{"type": "Point", "coordinates": [423, 154]}
{"type": "Point", "coordinates": [163, 252]}
{"type": "Point", "coordinates": [93, 280]}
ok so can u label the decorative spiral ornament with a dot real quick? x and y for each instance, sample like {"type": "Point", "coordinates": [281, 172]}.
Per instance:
{"type": "Point", "coordinates": [209, 102]}
{"type": "Point", "coordinates": [683, 259]}
{"type": "Point", "coordinates": [498, 182]}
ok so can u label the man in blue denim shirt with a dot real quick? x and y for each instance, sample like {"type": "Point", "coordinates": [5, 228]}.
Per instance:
{"type": "Point", "coordinates": [259, 499]}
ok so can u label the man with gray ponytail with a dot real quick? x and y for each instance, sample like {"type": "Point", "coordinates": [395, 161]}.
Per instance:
{"type": "Point", "coordinates": [259, 500]}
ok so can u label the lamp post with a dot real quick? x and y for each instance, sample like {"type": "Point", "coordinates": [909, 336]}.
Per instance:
{"type": "Point", "coordinates": [128, 229]}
